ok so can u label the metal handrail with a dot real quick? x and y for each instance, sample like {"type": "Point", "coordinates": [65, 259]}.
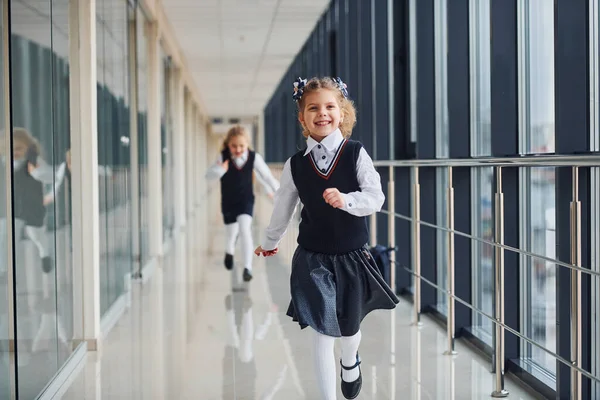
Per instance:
{"type": "Point", "coordinates": [494, 244]}
{"type": "Point", "coordinates": [503, 325]}
{"type": "Point", "coordinates": [580, 160]}
{"type": "Point", "coordinates": [574, 162]}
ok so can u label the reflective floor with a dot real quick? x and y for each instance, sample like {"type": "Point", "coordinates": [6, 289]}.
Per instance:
{"type": "Point", "coordinates": [194, 331]}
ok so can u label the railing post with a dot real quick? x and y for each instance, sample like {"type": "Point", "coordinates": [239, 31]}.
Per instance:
{"type": "Point", "coordinates": [499, 287]}
{"type": "Point", "coordinates": [373, 229]}
{"type": "Point", "coordinates": [575, 288]}
{"type": "Point", "coordinates": [450, 264]}
{"type": "Point", "coordinates": [393, 266]}
{"type": "Point", "coordinates": [416, 245]}
{"type": "Point", "coordinates": [392, 227]}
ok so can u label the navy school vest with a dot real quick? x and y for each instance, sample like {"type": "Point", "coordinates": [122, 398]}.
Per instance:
{"type": "Point", "coordinates": [236, 184]}
{"type": "Point", "coordinates": [324, 229]}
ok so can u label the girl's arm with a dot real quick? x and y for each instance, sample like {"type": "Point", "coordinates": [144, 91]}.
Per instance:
{"type": "Point", "coordinates": [41, 171]}
{"type": "Point", "coordinates": [370, 198]}
{"type": "Point", "coordinates": [217, 170]}
{"type": "Point", "coordinates": [264, 176]}
{"type": "Point", "coordinates": [60, 176]}
{"type": "Point", "coordinates": [286, 200]}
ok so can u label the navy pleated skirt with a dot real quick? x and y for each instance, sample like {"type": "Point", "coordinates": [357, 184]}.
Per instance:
{"type": "Point", "coordinates": [231, 213]}
{"type": "Point", "coordinates": [332, 293]}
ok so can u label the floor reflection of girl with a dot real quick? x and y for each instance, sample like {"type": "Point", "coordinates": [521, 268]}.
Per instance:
{"type": "Point", "coordinates": [239, 365]}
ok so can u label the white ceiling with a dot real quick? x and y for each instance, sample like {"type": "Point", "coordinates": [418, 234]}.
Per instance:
{"type": "Point", "coordinates": [238, 50]}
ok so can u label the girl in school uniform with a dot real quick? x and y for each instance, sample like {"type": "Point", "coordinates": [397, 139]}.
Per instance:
{"type": "Point", "coordinates": [335, 282]}
{"type": "Point", "coordinates": [235, 167]}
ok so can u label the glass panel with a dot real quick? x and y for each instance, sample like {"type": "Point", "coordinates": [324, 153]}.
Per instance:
{"type": "Point", "coordinates": [442, 238]}
{"type": "Point", "coordinates": [5, 312]}
{"type": "Point", "coordinates": [167, 155]}
{"type": "Point", "coordinates": [41, 179]}
{"type": "Point", "coordinates": [441, 84]}
{"type": "Point", "coordinates": [595, 186]}
{"type": "Point", "coordinates": [482, 178]}
{"type": "Point", "coordinates": [442, 145]}
{"type": "Point", "coordinates": [142, 84]}
{"type": "Point", "coordinates": [113, 151]}
{"type": "Point", "coordinates": [538, 202]}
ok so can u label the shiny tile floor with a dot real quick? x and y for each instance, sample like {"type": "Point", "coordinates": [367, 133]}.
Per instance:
{"type": "Point", "coordinates": [194, 331]}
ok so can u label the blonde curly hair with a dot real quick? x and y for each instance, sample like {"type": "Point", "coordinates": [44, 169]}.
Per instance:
{"type": "Point", "coordinates": [235, 131]}
{"type": "Point", "coordinates": [346, 105]}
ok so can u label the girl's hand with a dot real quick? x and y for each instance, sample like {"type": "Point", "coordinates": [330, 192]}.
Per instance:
{"type": "Point", "coordinates": [334, 198]}
{"type": "Point", "coordinates": [48, 199]}
{"type": "Point", "coordinates": [266, 253]}
{"type": "Point", "coordinates": [225, 165]}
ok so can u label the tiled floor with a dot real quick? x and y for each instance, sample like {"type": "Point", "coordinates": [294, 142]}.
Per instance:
{"type": "Point", "coordinates": [194, 332]}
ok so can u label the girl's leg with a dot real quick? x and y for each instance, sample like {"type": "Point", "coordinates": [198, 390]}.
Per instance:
{"type": "Point", "coordinates": [325, 366]}
{"type": "Point", "coordinates": [231, 233]}
{"type": "Point", "coordinates": [245, 222]}
{"type": "Point", "coordinates": [349, 350]}
{"type": "Point", "coordinates": [39, 237]}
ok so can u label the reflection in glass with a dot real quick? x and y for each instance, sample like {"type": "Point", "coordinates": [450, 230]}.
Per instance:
{"type": "Point", "coordinates": [538, 202]}
{"type": "Point", "coordinates": [481, 178]}
{"type": "Point", "coordinates": [167, 148]}
{"type": "Point", "coordinates": [41, 195]}
{"type": "Point", "coordinates": [5, 314]}
{"type": "Point", "coordinates": [113, 149]}
{"type": "Point", "coordinates": [442, 238]}
{"type": "Point", "coordinates": [441, 146]}
{"type": "Point", "coordinates": [142, 87]}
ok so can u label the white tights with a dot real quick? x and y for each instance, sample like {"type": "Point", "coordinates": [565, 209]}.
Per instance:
{"type": "Point", "coordinates": [243, 226]}
{"type": "Point", "coordinates": [325, 362]}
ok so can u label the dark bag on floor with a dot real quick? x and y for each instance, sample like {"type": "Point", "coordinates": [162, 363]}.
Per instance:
{"type": "Point", "coordinates": [381, 255]}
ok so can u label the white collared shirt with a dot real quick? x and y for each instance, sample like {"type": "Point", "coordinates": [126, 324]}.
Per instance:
{"type": "Point", "coordinates": [263, 173]}
{"type": "Point", "coordinates": [368, 200]}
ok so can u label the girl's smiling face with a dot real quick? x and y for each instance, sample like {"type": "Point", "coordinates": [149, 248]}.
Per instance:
{"type": "Point", "coordinates": [321, 114]}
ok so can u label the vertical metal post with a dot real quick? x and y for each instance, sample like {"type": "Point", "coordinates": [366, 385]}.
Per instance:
{"type": "Point", "coordinates": [392, 227]}
{"type": "Point", "coordinates": [373, 229]}
{"type": "Point", "coordinates": [392, 243]}
{"type": "Point", "coordinates": [417, 245]}
{"type": "Point", "coordinates": [451, 323]}
{"type": "Point", "coordinates": [499, 287]}
{"type": "Point", "coordinates": [575, 288]}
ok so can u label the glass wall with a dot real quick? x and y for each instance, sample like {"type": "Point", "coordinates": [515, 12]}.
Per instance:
{"type": "Point", "coordinates": [113, 149]}
{"type": "Point", "coordinates": [538, 283]}
{"type": "Point", "coordinates": [594, 31]}
{"type": "Point", "coordinates": [41, 190]}
{"type": "Point", "coordinates": [482, 224]}
{"type": "Point", "coordinates": [166, 127]}
{"type": "Point", "coordinates": [142, 85]}
{"type": "Point", "coordinates": [6, 356]}
{"type": "Point", "coordinates": [442, 146]}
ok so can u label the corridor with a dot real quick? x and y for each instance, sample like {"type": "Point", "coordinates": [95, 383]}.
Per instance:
{"type": "Point", "coordinates": [193, 331]}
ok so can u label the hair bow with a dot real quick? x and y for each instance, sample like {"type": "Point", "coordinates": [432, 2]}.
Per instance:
{"type": "Point", "coordinates": [341, 85]}
{"type": "Point", "coordinates": [298, 88]}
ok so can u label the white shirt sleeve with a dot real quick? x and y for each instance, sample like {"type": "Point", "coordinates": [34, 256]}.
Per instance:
{"type": "Point", "coordinates": [264, 176]}
{"type": "Point", "coordinates": [216, 171]}
{"type": "Point", "coordinates": [286, 200]}
{"type": "Point", "coordinates": [44, 172]}
{"type": "Point", "coordinates": [60, 176]}
{"type": "Point", "coordinates": [370, 198]}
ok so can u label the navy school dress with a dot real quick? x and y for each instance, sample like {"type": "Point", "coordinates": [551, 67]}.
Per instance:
{"type": "Point", "coordinates": [335, 282]}
{"type": "Point", "coordinates": [237, 192]}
